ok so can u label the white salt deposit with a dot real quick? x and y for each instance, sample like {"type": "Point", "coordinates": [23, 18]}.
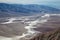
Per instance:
{"type": "Point", "coordinates": [29, 28]}
{"type": "Point", "coordinates": [10, 21]}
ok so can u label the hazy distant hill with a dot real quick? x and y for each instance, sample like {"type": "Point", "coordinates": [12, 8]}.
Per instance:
{"type": "Point", "coordinates": [20, 9]}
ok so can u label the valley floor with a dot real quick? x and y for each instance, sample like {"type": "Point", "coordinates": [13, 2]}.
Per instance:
{"type": "Point", "coordinates": [27, 27]}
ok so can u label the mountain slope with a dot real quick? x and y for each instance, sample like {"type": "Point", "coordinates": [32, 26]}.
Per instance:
{"type": "Point", "coordinates": [54, 35]}
{"type": "Point", "coordinates": [26, 8]}
{"type": "Point", "coordinates": [20, 9]}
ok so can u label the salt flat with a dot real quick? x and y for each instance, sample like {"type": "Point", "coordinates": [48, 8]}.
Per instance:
{"type": "Point", "coordinates": [25, 28]}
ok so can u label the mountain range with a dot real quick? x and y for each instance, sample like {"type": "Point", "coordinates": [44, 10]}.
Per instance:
{"type": "Point", "coordinates": [28, 9]}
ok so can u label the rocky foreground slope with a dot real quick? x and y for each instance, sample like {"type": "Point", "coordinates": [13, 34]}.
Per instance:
{"type": "Point", "coordinates": [53, 35]}
{"type": "Point", "coordinates": [47, 32]}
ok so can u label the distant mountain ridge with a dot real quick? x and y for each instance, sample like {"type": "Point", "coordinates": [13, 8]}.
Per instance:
{"type": "Point", "coordinates": [20, 9]}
